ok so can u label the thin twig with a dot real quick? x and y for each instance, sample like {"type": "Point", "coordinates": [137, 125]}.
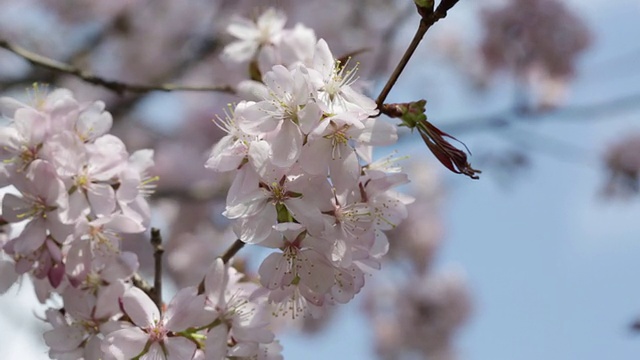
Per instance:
{"type": "Point", "coordinates": [114, 85]}
{"type": "Point", "coordinates": [427, 20]}
{"type": "Point", "coordinates": [158, 250]}
{"type": "Point", "coordinates": [142, 284]}
{"type": "Point", "coordinates": [603, 110]}
{"type": "Point", "coordinates": [228, 254]}
{"type": "Point", "coordinates": [232, 250]}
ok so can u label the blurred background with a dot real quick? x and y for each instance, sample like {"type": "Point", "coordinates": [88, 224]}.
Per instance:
{"type": "Point", "coordinates": [536, 260]}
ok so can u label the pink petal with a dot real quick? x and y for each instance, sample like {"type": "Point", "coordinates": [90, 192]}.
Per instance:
{"type": "Point", "coordinates": [125, 344]}
{"type": "Point", "coordinates": [78, 261]}
{"type": "Point", "coordinates": [8, 275]}
{"type": "Point", "coordinates": [64, 338]}
{"type": "Point", "coordinates": [216, 344]}
{"type": "Point", "coordinates": [102, 198]}
{"type": "Point", "coordinates": [107, 300]}
{"type": "Point", "coordinates": [121, 267]}
{"type": "Point", "coordinates": [13, 207]}
{"type": "Point", "coordinates": [31, 238]}
{"type": "Point", "coordinates": [215, 282]}
{"type": "Point", "coordinates": [140, 308]}
{"type": "Point", "coordinates": [272, 271]}
{"type": "Point", "coordinates": [287, 144]}
{"type": "Point", "coordinates": [185, 310]}
{"type": "Point", "coordinates": [179, 348]}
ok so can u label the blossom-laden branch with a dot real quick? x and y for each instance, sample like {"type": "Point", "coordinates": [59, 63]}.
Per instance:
{"type": "Point", "coordinates": [412, 114]}
{"type": "Point", "coordinates": [117, 86]}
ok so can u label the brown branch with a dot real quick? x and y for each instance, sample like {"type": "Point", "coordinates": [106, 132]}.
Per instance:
{"type": "Point", "coordinates": [232, 250]}
{"type": "Point", "coordinates": [228, 254]}
{"type": "Point", "coordinates": [428, 18]}
{"type": "Point", "coordinates": [142, 284]}
{"type": "Point", "coordinates": [158, 250]}
{"type": "Point", "coordinates": [155, 291]}
{"type": "Point", "coordinates": [114, 85]}
{"type": "Point", "coordinates": [90, 42]}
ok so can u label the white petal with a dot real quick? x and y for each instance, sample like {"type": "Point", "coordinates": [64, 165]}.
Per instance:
{"type": "Point", "coordinates": [216, 344]}
{"type": "Point", "coordinates": [8, 275]}
{"type": "Point", "coordinates": [286, 144]}
{"type": "Point", "coordinates": [179, 348]}
{"type": "Point", "coordinates": [140, 308]}
{"type": "Point", "coordinates": [13, 208]}
{"type": "Point", "coordinates": [255, 229]}
{"type": "Point", "coordinates": [272, 271]}
{"type": "Point", "coordinates": [102, 198]}
{"type": "Point", "coordinates": [185, 310]}
{"type": "Point", "coordinates": [344, 169]}
{"type": "Point", "coordinates": [65, 338]}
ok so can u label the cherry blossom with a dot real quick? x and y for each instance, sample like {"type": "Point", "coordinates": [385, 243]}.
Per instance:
{"type": "Point", "coordinates": [241, 321]}
{"type": "Point", "coordinates": [265, 30]}
{"type": "Point", "coordinates": [149, 338]}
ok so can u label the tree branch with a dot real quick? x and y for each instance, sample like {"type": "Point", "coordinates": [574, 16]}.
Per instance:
{"type": "Point", "coordinates": [228, 254]}
{"type": "Point", "coordinates": [158, 250]}
{"type": "Point", "coordinates": [597, 111]}
{"type": "Point", "coordinates": [142, 284]}
{"type": "Point", "coordinates": [114, 85]}
{"type": "Point", "coordinates": [232, 250]}
{"type": "Point", "coordinates": [429, 17]}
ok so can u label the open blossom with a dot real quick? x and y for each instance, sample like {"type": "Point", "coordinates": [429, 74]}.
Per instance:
{"type": "Point", "coordinates": [43, 201]}
{"type": "Point", "coordinates": [289, 112]}
{"type": "Point", "coordinates": [150, 336]}
{"type": "Point", "coordinates": [21, 141]}
{"type": "Point", "coordinates": [135, 185]}
{"type": "Point", "coordinates": [333, 81]}
{"type": "Point", "coordinates": [230, 151]}
{"type": "Point", "coordinates": [252, 35]}
{"type": "Point", "coordinates": [79, 329]}
{"type": "Point", "coordinates": [260, 197]}
{"type": "Point", "coordinates": [243, 320]}
{"type": "Point", "coordinates": [301, 265]}
{"type": "Point", "coordinates": [91, 169]}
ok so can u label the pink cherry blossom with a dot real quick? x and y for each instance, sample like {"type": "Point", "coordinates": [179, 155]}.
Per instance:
{"type": "Point", "coordinates": [149, 337]}
{"type": "Point", "coordinates": [265, 30]}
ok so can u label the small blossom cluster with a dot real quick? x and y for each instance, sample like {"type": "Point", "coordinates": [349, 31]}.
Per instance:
{"type": "Point", "coordinates": [223, 322]}
{"type": "Point", "coordinates": [305, 182]}
{"type": "Point", "coordinates": [77, 190]}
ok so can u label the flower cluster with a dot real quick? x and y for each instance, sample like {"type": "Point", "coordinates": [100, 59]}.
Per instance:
{"type": "Point", "coordinates": [223, 322]}
{"type": "Point", "coordinates": [78, 190]}
{"type": "Point", "coordinates": [305, 183]}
